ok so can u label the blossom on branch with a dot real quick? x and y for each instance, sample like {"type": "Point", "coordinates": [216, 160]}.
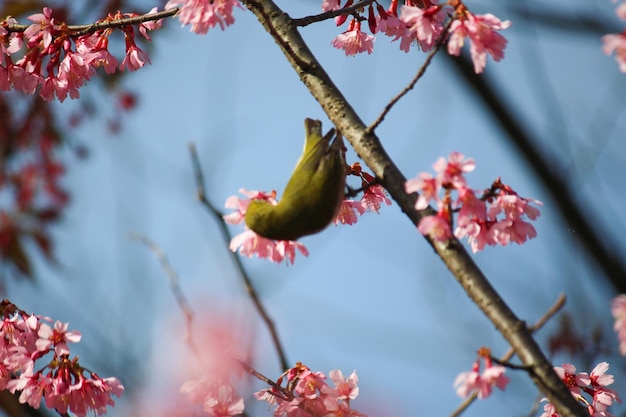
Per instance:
{"type": "Point", "coordinates": [203, 15]}
{"type": "Point", "coordinates": [473, 381]}
{"type": "Point", "coordinates": [497, 217]}
{"type": "Point", "coordinates": [593, 384]}
{"type": "Point", "coordinates": [59, 59]}
{"type": "Point", "coordinates": [354, 41]}
{"type": "Point", "coordinates": [618, 309]}
{"type": "Point", "coordinates": [481, 30]}
{"type": "Point", "coordinates": [307, 393]}
{"type": "Point", "coordinates": [61, 382]}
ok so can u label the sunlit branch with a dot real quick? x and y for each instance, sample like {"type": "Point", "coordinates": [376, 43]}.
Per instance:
{"type": "Point", "coordinates": [80, 30]}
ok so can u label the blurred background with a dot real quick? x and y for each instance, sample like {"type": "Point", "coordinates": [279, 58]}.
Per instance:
{"type": "Point", "coordinates": [548, 119]}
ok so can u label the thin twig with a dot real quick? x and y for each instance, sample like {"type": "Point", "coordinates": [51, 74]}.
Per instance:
{"type": "Point", "coordinates": [305, 21]}
{"type": "Point", "coordinates": [202, 196]}
{"type": "Point", "coordinates": [79, 30]}
{"type": "Point", "coordinates": [558, 304]}
{"type": "Point", "coordinates": [174, 281]}
{"type": "Point", "coordinates": [418, 75]}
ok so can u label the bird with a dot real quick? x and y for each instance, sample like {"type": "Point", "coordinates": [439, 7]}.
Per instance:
{"type": "Point", "coordinates": [313, 195]}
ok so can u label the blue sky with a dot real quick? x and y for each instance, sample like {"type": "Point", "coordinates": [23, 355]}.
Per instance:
{"type": "Point", "coordinates": [371, 297]}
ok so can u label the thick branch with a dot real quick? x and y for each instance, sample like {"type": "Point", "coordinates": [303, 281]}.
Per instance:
{"type": "Point", "coordinates": [369, 148]}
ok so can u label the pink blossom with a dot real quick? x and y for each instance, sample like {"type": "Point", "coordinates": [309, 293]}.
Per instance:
{"type": "Point", "coordinates": [391, 25]}
{"type": "Point", "coordinates": [548, 409]}
{"type": "Point", "coordinates": [149, 25]}
{"type": "Point", "coordinates": [618, 309]}
{"type": "Point", "coordinates": [470, 381]}
{"type": "Point", "coordinates": [450, 172]}
{"type": "Point", "coordinates": [32, 387]}
{"type": "Point", "coordinates": [481, 31]}
{"type": "Point", "coordinates": [225, 403]}
{"type": "Point", "coordinates": [41, 29]}
{"type": "Point", "coordinates": [437, 226]}
{"type": "Point", "coordinates": [572, 380]}
{"type": "Point", "coordinates": [472, 208]}
{"type": "Point", "coordinates": [94, 394]}
{"type": "Point", "coordinates": [428, 188]}
{"type": "Point", "coordinates": [310, 384]}
{"type": "Point", "coordinates": [616, 43]}
{"type": "Point", "coordinates": [330, 5]}
{"type": "Point", "coordinates": [354, 41]}
{"type": "Point", "coordinates": [422, 26]}
{"type": "Point", "coordinates": [135, 58]}
{"type": "Point", "coordinates": [345, 388]}
{"type": "Point", "coordinates": [249, 243]}
{"type": "Point", "coordinates": [373, 196]}
{"type": "Point", "coordinates": [53, 86]}
{"type": "Point", "coordinates": [74, 70]}
{"type": "Point", "coordinates": [478, 234]}
{"type": "Point", "coordinates": [59, 337]}
{"type": "Point", "coordinates": [204, 15]}
{"type": "Point", "coordinates": [348, 211]}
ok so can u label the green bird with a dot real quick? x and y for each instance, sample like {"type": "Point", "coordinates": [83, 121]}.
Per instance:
{"type": "Point", "coordinates": [313, 194]}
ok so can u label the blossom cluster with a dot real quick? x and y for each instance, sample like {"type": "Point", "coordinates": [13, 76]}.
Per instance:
{"type": "Point", "coordinates": [618, 309]}
{"type": "Point", "coordinates": [593, 384]}
{"type": "Point", "coordinates": [307, 393]}
{"type": "Point", "coordinates": [203, 15]}
{"type": "Point", "coordinates": [60, 60]}
{"type": "Point", "coordinates": [482, 383]}
{"type": "Point", "coordinates": [616, 42]}
{"type": "Point", "coordinates": [495, 217]}
{"type": "Point", "coordinates": [25, 341]}
{"type": "Point", "coordinates": [422, 23]}
{"type": "Point", "coordinates": [249, 243]}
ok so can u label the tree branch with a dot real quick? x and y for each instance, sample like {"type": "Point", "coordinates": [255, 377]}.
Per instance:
{"type": "Point", "coordinates": [369, 148]}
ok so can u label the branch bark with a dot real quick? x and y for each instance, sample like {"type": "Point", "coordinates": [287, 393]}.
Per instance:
{"type": "Point", "coordinates": [369, 148]}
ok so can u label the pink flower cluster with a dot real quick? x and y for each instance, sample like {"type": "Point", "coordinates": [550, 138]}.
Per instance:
{"type": "Point", "coordinates": [421, 22]}
{"type": "Point", "coordinates": [618, 309]}
{"type": "Point", "coordinates": [373, 197]}
{"type": "Point", "coordinates": [593, 384]}
{"type": "Point", "coordinates": [497, 217]}
{"type": "Point", "coordinates": [203, 15]}
{"type": "Point", "coordinates": [61, 383]}
{"type": "Point", "coordinates": [493, 375]}
{"type": "Point", "coordinates": [69, 60]}
{"type": "Point", "coordinates": [306, 393]}
{"type": "Point", "coordinates": [616, 42]}
{"type": "Point", "coordinates": [248, 243]}
{"type": "Point", "coordinates": [218, 398]}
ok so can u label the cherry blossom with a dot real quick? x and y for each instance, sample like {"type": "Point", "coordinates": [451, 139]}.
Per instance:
{"type": "Point", "coordinates": [616, 43]}
{"type": "Point", "coordinates": [423, 26]}
{"type": "Point", "coordinates": [618, 309]}
{"type": "Point", "coordinates": [307, 393]}
{"type": "Point", "coordinates": [470, 381]}
{"type": "Point", "coordinates": [354, 41]}
{"type": "Point", "coordinates": [481, 30]}
{"type": "Point", "coordinates": [203, 15]}
{"type": "Point", "coordinates": [497, 217]}
{"type": "Point", "coordinates": [57, 338]}
{"type": "Point", "coordinates": [593, 384]}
